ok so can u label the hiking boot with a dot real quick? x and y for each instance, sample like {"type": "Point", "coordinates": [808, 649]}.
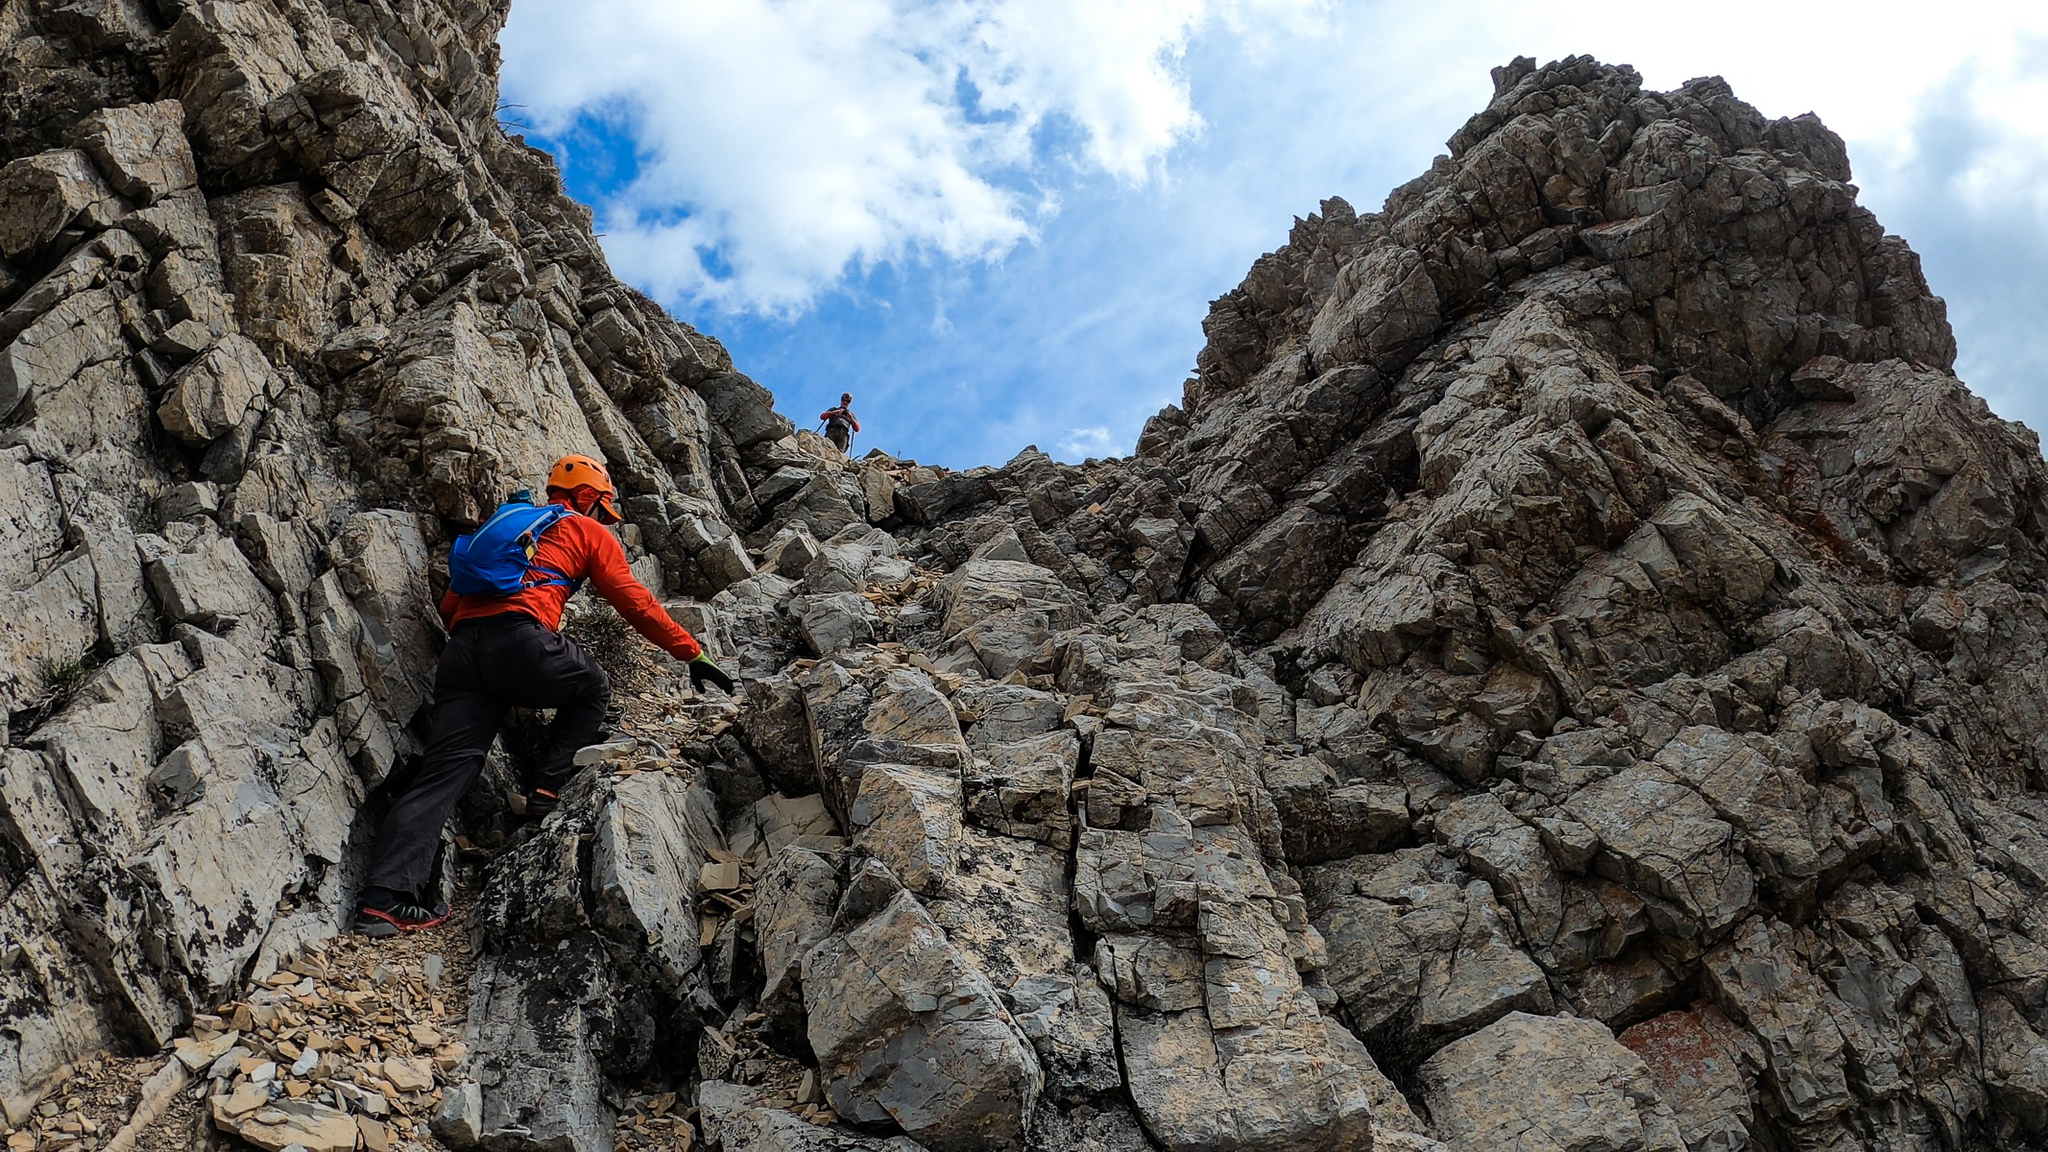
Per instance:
{"type": "Point", "coordinates": [539, 803]}
{"type": "Point", "coordinates": [381, 916]}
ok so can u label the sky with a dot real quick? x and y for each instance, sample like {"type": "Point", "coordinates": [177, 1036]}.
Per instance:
{"type": "Point", "coordinates": [1000, 222]}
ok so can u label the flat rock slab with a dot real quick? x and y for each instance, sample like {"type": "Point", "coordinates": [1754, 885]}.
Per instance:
{"type": "Point", "coordinates": [1420, 954]}
{"type": "Point", "coordinates": [908, 1030]}
{"type": "Point", "coordinates": [1545, 1082]}
{"type": "Point", "coordinates": [283, 1124]}
{"type": "Point", "coordinates": [1662, 838]}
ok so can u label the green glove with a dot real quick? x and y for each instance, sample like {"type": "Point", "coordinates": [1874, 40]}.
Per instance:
{"type": "Point", "coordinates": [702, 669]}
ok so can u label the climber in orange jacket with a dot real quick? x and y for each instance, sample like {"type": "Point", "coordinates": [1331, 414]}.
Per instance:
{"type": "Point", "coordinates": [840, 424]}
{"type": "Point", "coordinates": [509, 581]}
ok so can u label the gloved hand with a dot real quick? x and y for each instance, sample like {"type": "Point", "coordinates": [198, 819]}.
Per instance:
{"type": "Point", "coordinates": [702, 669]}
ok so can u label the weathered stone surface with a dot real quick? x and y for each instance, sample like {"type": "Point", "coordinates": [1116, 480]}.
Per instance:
{"type": "Point", "coordinates": [999, 714]}
{"type": "Point", "coordinates": [1023, 787]}
{"type": "Point", "coordinates": [1070, 1021]}
{"type": "Point", "coordinates": [1791, 1012]}
{"type": "Point", "coordinates": [1501, 1088]}
{"type": "Point", "coordinates": [791, 551]}
{"type": "Point", "coordinates": [459, 1123]}
{"type": "Point", "coordinates": [778, 734]}
{"type": "Point", "coordinates": [716, 550]}
{"type": "Point", "coordinates": [1664, 840]}
{"type": "Point", "coordinates": [45, 195]}
{"type": "Point", "coordinates": [737, 1117]}
{"type": "Point", "coordinates": [285, 1124]}
{"type": "Point", "coordinates": [906, 1029]}
{"type": "Point", "coordinates": [744, 409]}
{"type": "Point", "coordinates": [851, 560]}
{"type": "Point", "coordinates": [48, 983]}
{"type": "Point", "coordinates": [795, 897]}
{"type": "Point", "coordinates": [877, 715]}
{"type": "Point", "coordinates": [1281, 1086]}
{"type": "Point", "coordinates": [31, 524]}
{"type": "Point", "coordinates": [909, 818]}
{"type": "Point", "coordinates": [209, 583]}
{"type": "Point", "coordinates": [206, 793]}
{"type": "Point", "coordinates": [212, 395]}
{"type": "Point", "coordinates": [381, 561]}
{"type": "Point", "coordinates": [1420, 955]}
{"type": "Point", "coordinates": [55, 624]}
{"type": "Point", "coordinates": [879, 489]}
{"type": "Point", "coordinates": [2016, 1063]}
{"type": "Point", "coordinates": [652, 839]}
{"type": "Point", "coordinates": [835, 621]}
{"type": "Point", "coordinates": [592, 954]}
{"type": "Point", "coordinates": [1702, 1066]}
{"type": "Point", "coordinates": [1006, 905]}
{"type": "Point", "coordinates": [56, 351]}
{"type": "Point", "coordinates": [1322, 818]}
{"type": "Point", "coordinates": [537, 1055]}
{"type": "Point", "coordinates": [141, 149]}
{"type": "Point", "coordinates": [999, 615]}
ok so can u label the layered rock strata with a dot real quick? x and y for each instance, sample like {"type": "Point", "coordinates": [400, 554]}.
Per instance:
{"type": "Point", "coordinates": [281, 309]}
{"type": "Point", "coordinates": [1569, 672]}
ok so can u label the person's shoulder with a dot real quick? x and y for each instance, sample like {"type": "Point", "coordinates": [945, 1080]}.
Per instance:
{"type": "Point", "coordinates": [584, 528]}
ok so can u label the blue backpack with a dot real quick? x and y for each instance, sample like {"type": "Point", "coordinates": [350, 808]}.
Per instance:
{"type": "Point", "coordinates": [495, 559]}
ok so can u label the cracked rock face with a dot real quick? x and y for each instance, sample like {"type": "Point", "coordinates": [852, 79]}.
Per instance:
{"type": "Point", "coordinates": [1570, 669]}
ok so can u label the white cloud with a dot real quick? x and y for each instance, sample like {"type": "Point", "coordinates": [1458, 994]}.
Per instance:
{"type": "Point", "coordinates": [1080, 443]}
{"type": "Point", "coordinates": [1977, 129]}
{"type": "Point", "coordinates": [782, 142]}
{"type": "Point", "coordinates": [1052, 227]}
{"type": "Point", "coordinates": [1968, 185]}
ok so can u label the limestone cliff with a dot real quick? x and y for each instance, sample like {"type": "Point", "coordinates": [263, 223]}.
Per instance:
{"type": "Point", "coordinates": [1570, 672]}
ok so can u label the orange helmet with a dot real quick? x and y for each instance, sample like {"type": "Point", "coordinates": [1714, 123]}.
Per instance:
{"type": "Point", "coordinates": [573, 472]}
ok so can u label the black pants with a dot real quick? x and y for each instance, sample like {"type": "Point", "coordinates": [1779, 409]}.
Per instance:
{"type": "Point", "coordinates": [840, 435]}
{"type": "Point", "coordinates": [489, 667]}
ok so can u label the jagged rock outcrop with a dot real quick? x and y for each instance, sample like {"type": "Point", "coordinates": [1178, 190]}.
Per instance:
{"type": "Point", "coordinates": [281, 308]}
{"type": "Point", "coordinates": [1569, 671]}
{"type": "Point", "coordinates": [1595, 529]}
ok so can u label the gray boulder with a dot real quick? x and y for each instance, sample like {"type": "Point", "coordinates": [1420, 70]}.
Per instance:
{"type": "Point", "coordinates": [908, 1030]}
{"type": "Point", "coordinates": [1419, 954]}
{"type": "Point", "coordinates": [141, 149]}
{"type": "Point", "coordinates": [1498, 1088]}
{"type": "Point", "coordinates": [835, 621]}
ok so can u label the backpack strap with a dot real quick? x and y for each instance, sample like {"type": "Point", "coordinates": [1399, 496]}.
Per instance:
{"type": "Point", "coordinates": [553, 577]}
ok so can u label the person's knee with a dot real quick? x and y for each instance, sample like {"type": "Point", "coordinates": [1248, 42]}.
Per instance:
{"type": "Point", "coordinates": [596, 686]}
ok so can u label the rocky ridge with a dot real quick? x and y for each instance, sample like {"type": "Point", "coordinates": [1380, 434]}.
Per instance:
{"type": "Point", "coordinates": [1576, 641]}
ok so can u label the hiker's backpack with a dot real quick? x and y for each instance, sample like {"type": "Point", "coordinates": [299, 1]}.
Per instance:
{"type": "Point", "coordinates": [496, 559]}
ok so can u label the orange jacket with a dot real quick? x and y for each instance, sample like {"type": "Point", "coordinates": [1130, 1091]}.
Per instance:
{"type": "Point", "coordinates": [579, 548]}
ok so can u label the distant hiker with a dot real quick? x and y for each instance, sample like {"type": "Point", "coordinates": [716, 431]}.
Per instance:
{"type": "Point", "coordinates": [508, 581]}
{"type": "Point", "coordinates": [840, 424]}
